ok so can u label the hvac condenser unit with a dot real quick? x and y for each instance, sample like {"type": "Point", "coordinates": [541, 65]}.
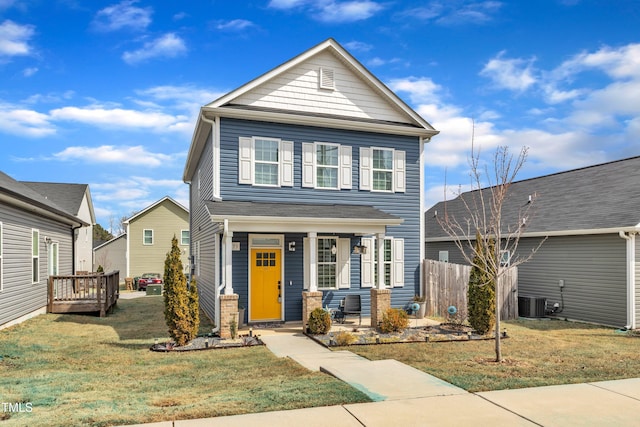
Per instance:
{"type": "Point", "coordinates": [531, 306]}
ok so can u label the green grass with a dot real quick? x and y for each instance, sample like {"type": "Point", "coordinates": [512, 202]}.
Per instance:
{"type": "Point", "coordinates": [537, 353]}
{"type": "Point", "coordinates": [84, 370]}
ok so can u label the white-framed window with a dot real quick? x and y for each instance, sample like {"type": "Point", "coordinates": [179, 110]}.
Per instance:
{"type": "Point", "coordinates": [147, 236]}
{"type": "Point", "coordinates": [393, 260]}
{"type": "Point", "coordinates": [198, 258]}
{"type": "Point", "coordinates": [505, 258]}
{"type": "Point", "coordinates": [264, 161]}
{"type": "Point", "coordinates": [382, 169]}
{"type": "Point", "coordinates": [326, 165]}
{"type": "Point", "coordinates": [333, 263]}
{"type": "Point", "coordinates": [327, 262]}
{"type": "Point", "coordinates": [54, 259]}
{"type": "Point", "coordinates": [267, 163]}
{"type": "Point", "coordinates": [184, 237]}
{"type": "Point", "coordinates": [1, 256]}
{"type": "Point", "coordinates": [443, 256]}
{"type": "Point", "coordinates": [35, 255]}
{"type": "Point", "coordinates": [387, 261]}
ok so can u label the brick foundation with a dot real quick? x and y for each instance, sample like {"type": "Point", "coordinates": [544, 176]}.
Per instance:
{"type": "Point", "coordinates": [380, 302]}
{"type": "Point", "coordinates": [228, 312]}
{"type": "Point", "coordinates": [310, 301]}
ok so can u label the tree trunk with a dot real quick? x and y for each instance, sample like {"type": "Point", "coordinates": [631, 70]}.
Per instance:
{"type": "Point", "coordinates": [497, 334]}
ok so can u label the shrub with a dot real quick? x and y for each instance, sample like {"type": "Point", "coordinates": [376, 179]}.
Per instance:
{"type": "Point", "coordinates": [481, 297]}
{"type": "Point", "coordinates": [394, 320]}
{"type": "Point", "coordinates": [345, 338]}
{"type": "Point", "coordinates": [319, 321]}
{"type": "Point", "coordinates": [180, 304]}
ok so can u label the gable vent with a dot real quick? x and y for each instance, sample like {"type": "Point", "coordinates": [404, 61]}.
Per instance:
{"type": "Point", "coordinates": [327, 78]}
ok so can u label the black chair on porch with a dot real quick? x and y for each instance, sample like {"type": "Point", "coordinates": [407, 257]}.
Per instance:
{"type": "Point", "coordinates": [350, 306]}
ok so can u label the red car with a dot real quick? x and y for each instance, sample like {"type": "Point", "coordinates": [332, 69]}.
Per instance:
{"type": "Point", "coordinates": [149, 279]}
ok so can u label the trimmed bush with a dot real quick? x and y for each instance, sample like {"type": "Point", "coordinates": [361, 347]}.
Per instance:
{"type": "Point", "coordinates": [180, 304]}
{"type": "Point", "coordinates": [345, 338]}
{"type": "Point", "coordinates": [319, 321]}
{"type": "Point", "coordinates": [481, 297]}
{"type": "Point", "coordinates": [394, 320]}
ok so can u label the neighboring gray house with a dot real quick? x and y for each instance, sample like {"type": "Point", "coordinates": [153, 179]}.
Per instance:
{"type": "Point", "coordinates": [590, 263]}
{"type": "Point", "coordinates": [308, 179]}
{"type": "Point", "coordinates": [36, 240]}
{"type": "Point", "coordinates": [75, 199]}
{"type": "Point", "coordinates": [112, 255]}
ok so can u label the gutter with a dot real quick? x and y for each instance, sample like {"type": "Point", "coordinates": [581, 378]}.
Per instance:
{"type": "Point", "coordinates": [631, 278]}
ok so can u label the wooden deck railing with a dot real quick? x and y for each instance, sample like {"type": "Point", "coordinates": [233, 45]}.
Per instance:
{"type": "Point", "coordinates": [83, 293]}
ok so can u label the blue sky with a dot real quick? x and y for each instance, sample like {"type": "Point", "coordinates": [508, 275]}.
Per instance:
{"type": "Point", "coordinates": [107, 92]}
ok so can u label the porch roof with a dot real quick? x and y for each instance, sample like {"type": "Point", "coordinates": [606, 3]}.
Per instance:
{"type": "Point", "coordinates": [301, 217]}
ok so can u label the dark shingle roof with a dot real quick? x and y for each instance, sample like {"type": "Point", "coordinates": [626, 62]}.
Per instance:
{"type": "Point", "coordinates": [20, 191]}
{"type": "Point", "coordinates": [603, 196]}
{"type": "Point", "coordinates": [67, 196]}
{"type": "Point", "coordinates": [297, 210]}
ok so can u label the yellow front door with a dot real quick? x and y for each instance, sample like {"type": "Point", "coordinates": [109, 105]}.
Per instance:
{"type": "Point", "coordinates": [266, 297]}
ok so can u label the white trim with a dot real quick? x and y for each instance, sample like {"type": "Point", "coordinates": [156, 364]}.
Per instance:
{"type": "Point", "coordinates": [285, 156]}
{"type": "Point", "coordinates": [345, 178]}
{"type": "Point", "coordinates": [148, 208]}
{"type": "Point", "coordinates": [421, 238]}
{"type": "Point", "coordinates": [366, 168]}
{"type": "Point", "coordinates": [343, 266]}
{"type": "Point", "coordinates": [53, 265]}
{"type": "Point", "coordinates": [280, 237]}
{"type": "Point", "coordinates": [360, 226]}
{"type": "Point", "coordinates": [326, 78]}
{"type": "Point", "coordinates": [128, 250]}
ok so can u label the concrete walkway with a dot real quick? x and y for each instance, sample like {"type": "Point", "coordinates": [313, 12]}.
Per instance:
{"type": "Point", "coordinates": [405, 396]}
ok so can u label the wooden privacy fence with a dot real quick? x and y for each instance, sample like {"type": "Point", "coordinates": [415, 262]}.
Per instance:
{"type": "Point", "coordinates": [446, 284]}
{"type": "Point", "coordinates": [83, 293]}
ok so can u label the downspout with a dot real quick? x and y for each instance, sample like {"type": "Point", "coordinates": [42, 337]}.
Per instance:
{"type": "Point", "coordinates": [219, 288]}
{"type": "Point", "coordinates": [631, 278]}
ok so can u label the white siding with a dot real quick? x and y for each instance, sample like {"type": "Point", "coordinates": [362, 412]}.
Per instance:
{"type": "Point", "coordinates": [298, 90]}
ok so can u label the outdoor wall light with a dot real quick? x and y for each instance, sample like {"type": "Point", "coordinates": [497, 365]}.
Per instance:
{"type": "Point", "coordinates": [359, 249]}
{"type": "Point", "coordinates": [292, 246]}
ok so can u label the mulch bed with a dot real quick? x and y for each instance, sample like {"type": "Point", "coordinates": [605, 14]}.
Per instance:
{"type": "Point", "coordinates": [445, 332]}
{"type": "Point", "coordinates": [209, 343]}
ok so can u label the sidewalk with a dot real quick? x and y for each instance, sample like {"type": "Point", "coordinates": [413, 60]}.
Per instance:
{"type": "Point", "coordinates": [405, 396]}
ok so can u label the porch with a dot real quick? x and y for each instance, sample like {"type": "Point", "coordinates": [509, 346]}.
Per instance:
{"type": "Point", "coordinates": [83, 293]}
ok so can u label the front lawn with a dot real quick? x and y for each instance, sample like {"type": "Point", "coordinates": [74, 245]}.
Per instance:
{"type": "Point", "coordinates": [537, 353]}
{"type": "Point", "coordinates": [84, 370]}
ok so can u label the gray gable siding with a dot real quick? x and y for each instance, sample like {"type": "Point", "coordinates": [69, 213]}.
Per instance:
{"type": "Point", "coordinates": [404, 205]}
{"type": "Point", "coordinates": [20, 296]}
{"type": "Point", "coordinates": [201, 230]}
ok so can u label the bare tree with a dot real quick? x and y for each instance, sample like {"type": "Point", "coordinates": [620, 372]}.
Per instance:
{"type": "Point", "coordinates": [484, 219]}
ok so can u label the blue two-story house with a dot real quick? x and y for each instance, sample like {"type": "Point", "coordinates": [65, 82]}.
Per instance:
{"type": "Point", "coordinates": [307, 179]}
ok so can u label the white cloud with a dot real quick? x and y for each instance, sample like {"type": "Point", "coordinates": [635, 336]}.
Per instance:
{"type": "Point", "coordinates": [419, 89]}
{"type": "Point", "coordinates": [121, 16]}
{"type": "Point", "coordinates": [120, 118]}
{"type": "Point", "coordinates": [130, 155]}
{"type": "Point", "coordinates": [168, 46]}
{"type": "Point", "coordinates": [454, 12]}
{"type": "Point", "coordinates": [513, 74]}
{"type": "Point", "coordinates": [234, 25]}
{"type": "Point", "coordinates": [331, 11]}
{"type": "Point", "coordinates": [19, 121]}
{"type": "Point", "coordinates": [14, 38]}
{"type": "Point", "coordinates": [28, 72]}
{"type": "Point", "coordinates": [357, 46]}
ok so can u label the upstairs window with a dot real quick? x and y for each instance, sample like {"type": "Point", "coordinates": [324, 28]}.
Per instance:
{"type": "Point", "coordinates": [265, 162]}
{"type": "Point", "coordinates": [382, 169]}
{"type": "Point", "coordinates": [184, 237]}
{"type": "Point", "coordinates": [147, 237]}
{"type": "Point", "coordinates": [326, 165]}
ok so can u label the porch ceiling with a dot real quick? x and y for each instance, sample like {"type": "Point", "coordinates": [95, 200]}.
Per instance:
{"type": "Point", "coordinates": [301, 217]}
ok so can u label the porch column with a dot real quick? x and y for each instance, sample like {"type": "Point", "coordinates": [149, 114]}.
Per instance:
{"type": "Point", "coordinates": [380, 284]}
{"type": "Point", "coordinates": [313, 261]}
{"type": "Point", "coordinates": [228, 257]}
